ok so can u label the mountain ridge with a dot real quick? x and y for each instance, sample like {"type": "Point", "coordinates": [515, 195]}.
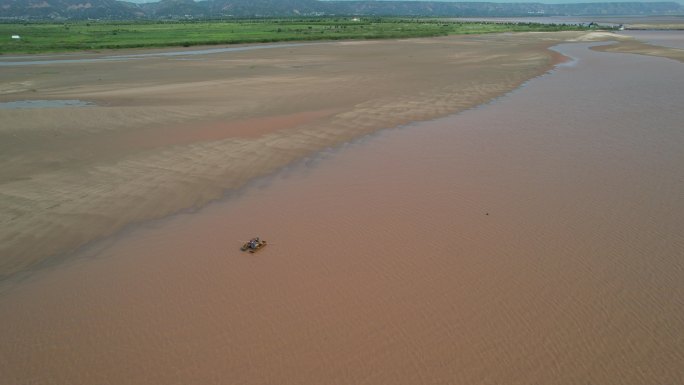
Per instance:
{"type": "Point", "coordinates": [175, 9]}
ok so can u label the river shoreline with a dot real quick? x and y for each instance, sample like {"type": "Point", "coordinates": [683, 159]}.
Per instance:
{"type": "Point", "coordinates": [158, 128]}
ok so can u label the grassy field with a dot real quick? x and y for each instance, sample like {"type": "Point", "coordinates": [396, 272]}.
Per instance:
{"type": "Point", "coordinates": [94, 35]}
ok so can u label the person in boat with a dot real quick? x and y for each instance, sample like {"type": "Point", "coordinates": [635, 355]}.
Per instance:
{"type": "Point", "coordinates": [254, 243]}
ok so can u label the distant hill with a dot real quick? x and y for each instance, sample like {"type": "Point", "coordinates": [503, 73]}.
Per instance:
{"type": "Point", "coordinates": [482, 9]}
{"type": "Point", "coordinates": [165, 9]}
{"type": "Point", "coordinates": [175, 9]}
{"type": "Point", "coordinates": [69, 9]}
{"type": "Point", "coordinates": [269, 8]}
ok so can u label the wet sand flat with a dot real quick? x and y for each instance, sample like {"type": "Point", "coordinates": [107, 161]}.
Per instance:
{"type": "Point", "coordinates": [171, 131]}
{"type": "Point", "coordinates": [533, 240]}
{"type": "Point", "coordinates": [658, 44]}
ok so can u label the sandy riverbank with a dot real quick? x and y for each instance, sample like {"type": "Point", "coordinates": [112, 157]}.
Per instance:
{"type": "Point", "coordinates": [637, 42]}
{"type": "Point", "coordinates": [169, 133]}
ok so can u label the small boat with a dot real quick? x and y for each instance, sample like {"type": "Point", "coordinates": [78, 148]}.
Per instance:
{"type": "Point", "coordinates": [253, 245]}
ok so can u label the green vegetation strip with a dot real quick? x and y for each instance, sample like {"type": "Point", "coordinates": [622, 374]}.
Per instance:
{"type": "Point", "coordinates": [94, 35]}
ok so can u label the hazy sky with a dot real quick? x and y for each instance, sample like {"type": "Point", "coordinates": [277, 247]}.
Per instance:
{"type": "Point", "coordinates": [502, 1]}
{"type": "Point", "coordinates": [541, 1]}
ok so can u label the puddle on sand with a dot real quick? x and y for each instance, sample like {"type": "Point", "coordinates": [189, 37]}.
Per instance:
{"type": "Point", "coordinates": [25, 104]}
{"type": "Point", "coordinates": [137, 56]}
